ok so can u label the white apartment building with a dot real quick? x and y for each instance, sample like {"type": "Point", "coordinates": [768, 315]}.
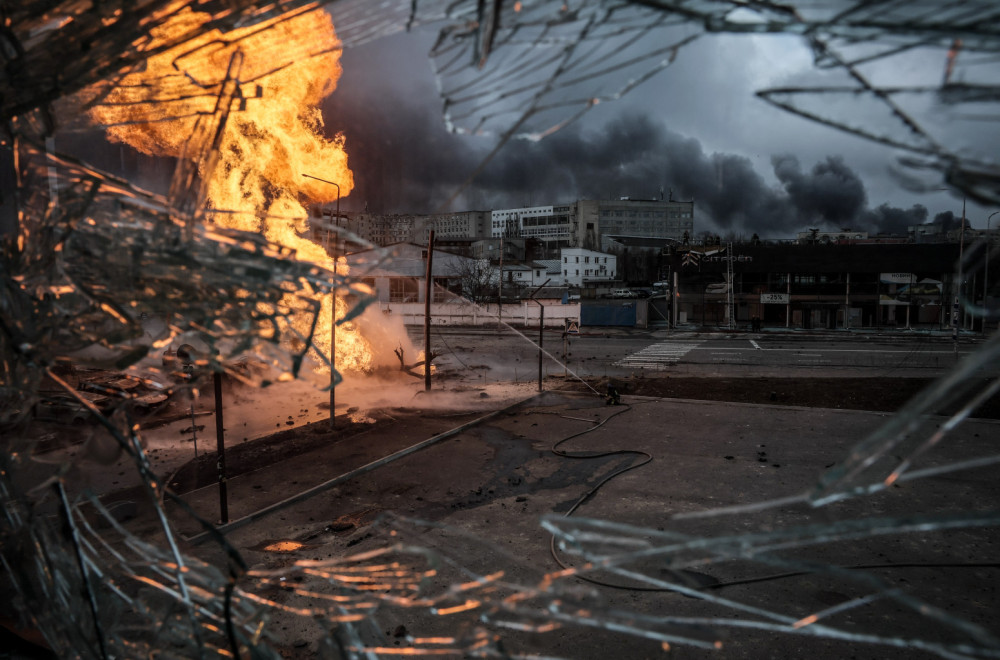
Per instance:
{"type": "Point", "coordinates": [550, 224]}
{"type": "Point", "coordinates": [580, 266]}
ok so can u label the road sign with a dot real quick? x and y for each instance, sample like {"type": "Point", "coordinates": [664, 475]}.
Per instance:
{"type": "Point", "coordinates": [572, 327]}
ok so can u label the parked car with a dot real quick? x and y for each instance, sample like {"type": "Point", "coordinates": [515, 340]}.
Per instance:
{"type": "Point", "coordinates": [622, 293]}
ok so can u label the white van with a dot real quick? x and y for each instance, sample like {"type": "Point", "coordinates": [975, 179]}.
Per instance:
{"type": "Point", "coordinates": [622, 293]}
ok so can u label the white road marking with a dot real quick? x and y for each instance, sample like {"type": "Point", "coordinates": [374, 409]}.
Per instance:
{"type": "Point", "coordinates": [755, 345]}
{"type": "Point", "coordinates": [657, 356]}
{"type": "Point", "coordinates": [920, 351]}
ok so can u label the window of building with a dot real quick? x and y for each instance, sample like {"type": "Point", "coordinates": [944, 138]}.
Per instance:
{"type": "Point", "coordinates": [403, 289]}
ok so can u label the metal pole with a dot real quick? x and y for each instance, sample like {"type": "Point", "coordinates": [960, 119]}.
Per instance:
{"type": "Point", "coordinates": [958, 292]}
{"type": "Point", "coordinates": [565, 354]}
{"type": "Point", "coordinates": [333, 314]}
{"type": "Point", "coordinates": [333, 327]}
{"type": "Point", "coordinates": [788, 305]}
{"type": "Point", "coordinates": [675, 299]}
{"type": "Point", "coordinates": [500, 290]}
{"type": "Point", "coordinates": [847, 303]}
{"type": "Point", "coordinates": [909, 301]}
{"type": "Point", "coordinates": [220, 440]}
{"type": "Point", "coordinates": [878, 302]}
{"type": "Point", "coordinates": [541, 338]}
{"type": "Point", "coordinates": [986, 274]}
{"type": "Point", "coordinates": [428, 291]}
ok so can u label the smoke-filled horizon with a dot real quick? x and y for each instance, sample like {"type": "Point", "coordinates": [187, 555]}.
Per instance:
{"type": "Point", "coordinates": [405, 162]}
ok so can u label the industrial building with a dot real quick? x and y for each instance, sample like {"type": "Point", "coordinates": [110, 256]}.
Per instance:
{"type": "Point", "coordinates": [382, 229]}
{"type": "Point", "coordinates": [820, 285]}
{"type": "Point", "coordinates": [589, 223]}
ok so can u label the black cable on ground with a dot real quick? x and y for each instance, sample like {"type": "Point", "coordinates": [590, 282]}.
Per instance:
{"type": "Point", "coordinates": [718, 585]}
{"type": "Point", "coordinates": [590, 493]}
{"type": "Point", "coordinates": [856, 567]}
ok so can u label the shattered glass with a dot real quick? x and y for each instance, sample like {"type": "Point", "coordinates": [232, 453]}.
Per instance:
{"type": "Point", "coordinates": [101, 273]}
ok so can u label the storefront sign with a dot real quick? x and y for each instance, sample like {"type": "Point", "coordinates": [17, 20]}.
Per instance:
{"type": "Point", "coordinates": [897, 278]}
{"type": "Point", "coordinates": [774, 298]}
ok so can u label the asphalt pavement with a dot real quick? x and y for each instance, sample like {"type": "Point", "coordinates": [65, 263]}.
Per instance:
{"type": "Point", "coordinates": [486, 489]}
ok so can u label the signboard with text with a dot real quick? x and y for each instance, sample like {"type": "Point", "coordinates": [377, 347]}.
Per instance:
{"type": "Point", "coordinates": [897, 278]}
{"type": "Point", "coordinates": [774, 298]}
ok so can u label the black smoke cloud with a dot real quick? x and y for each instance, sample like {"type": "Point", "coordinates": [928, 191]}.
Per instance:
{"type": "Point", "coordinates": [949, 221]}
{"type": "Point", "coordinates": [405, 162]}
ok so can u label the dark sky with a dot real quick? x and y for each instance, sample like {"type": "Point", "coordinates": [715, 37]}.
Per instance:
{"type": "Point", "coordinates": [695, 130]}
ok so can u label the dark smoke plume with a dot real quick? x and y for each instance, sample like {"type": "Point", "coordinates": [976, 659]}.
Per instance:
{"type": "Point", "coordinates": [949, 221]}
{"type": "Point", "coordinates": [405, 162]}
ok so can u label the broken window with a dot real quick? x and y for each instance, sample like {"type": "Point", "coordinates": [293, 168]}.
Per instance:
{"type": "Point", "coordinates": [213, 273]}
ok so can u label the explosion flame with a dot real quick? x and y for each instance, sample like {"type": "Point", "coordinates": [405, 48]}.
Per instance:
{"type": "Point", "coordinates": [274, 138]}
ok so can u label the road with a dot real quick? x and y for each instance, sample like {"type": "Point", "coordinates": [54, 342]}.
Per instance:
{"type": "Point", "coordinates": [512, 356]}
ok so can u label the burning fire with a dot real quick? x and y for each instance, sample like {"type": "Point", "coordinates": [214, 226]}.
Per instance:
{"type": "Point", "coordinates": [266, 147]}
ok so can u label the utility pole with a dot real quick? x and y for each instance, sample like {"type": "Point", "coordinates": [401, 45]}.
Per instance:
{"type": "Point", "coordinates": [958, 292]}
{"type": "Point", "coordinates": [541, 339]}
{"type": "Point", "coordinates": [333, 315]}
{"type": "Point", "coordinates": [541, 328]}
{"type": "Point", "coordinates": [428, 293]}
{"type": "Point", "coordinates": [986, 274]}
{"type": "Point", "coordinates": [220, 440]}
{"type": "Point", "coordinates": [500, 288]}
{"type": "Point", "coordinates": [333, 327]}
{"type": "Point", "coordinates": [730, 279]}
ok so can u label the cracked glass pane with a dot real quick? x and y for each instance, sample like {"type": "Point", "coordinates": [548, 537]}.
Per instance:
{"type": "Point", "coordinates": [217, 264]}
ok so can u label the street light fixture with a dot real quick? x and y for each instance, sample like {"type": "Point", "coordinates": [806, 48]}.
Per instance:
{"type": "Point", "coordinates": [333, 314]}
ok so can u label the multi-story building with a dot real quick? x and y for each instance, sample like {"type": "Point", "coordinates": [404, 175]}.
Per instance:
{"type": "Point", "coordinates": [587, 223]}
{"type": "Point", "coordinates": [386, 229]}
{"type": "Point", "coordinates": [552, 225]}
{"type": "Point", "coordinates": [581, 267]}
{"type": "Point", "coordinates": [645, 218]}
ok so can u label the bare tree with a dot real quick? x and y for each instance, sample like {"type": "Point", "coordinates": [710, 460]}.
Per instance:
{"type": "Point", "coordinates": [478, 278]}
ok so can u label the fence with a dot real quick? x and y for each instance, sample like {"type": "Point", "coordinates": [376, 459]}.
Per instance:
{"type": "Point", "coordinates": [522, 313]}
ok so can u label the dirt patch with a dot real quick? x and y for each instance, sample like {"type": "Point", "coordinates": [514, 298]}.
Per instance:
{"type": "Point", "coordinates": [275, 448]}
{"type": "Point", "coordinates": [879, 394]}
{"type": "Point", "coordinates": [255, 454]}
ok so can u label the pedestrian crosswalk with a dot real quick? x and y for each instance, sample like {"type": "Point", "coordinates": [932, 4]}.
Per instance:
{"type": "Point", "coordinates": [658, 356]}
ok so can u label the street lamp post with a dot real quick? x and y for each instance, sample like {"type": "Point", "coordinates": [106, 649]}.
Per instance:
{"type": "Point", "coordinates": [333, 315]}
{"type": "Point", "coordinates": [986, 273]}
{"type": "Point", "coordinates": [958, 292]}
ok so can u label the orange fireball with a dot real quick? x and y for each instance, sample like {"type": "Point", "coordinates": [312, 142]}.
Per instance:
{"type": "Point", "coordinates": [289, 65]}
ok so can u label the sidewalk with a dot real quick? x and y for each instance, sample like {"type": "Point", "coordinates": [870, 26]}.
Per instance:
{"type": "Point", "coordinates": [694, 330]}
